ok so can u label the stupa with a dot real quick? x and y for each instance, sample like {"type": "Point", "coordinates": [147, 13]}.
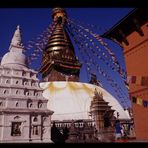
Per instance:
{"type": "Point", "coordinates": [69, 98]}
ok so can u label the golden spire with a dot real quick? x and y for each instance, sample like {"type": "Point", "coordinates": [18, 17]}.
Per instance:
{"type": "Point", "coordinates": [59, 14]}
{"type": "Point", "coordinates": [59, 50]}
{"type": "Point", "coordinates": [59, 44]}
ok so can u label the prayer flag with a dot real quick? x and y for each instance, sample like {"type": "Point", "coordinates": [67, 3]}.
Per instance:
{"type": "Point", "coordinates": [133, 80]}
{"type": "Point", "coordinates": [144, 81]}
{"type": "Point", "coordinates": [145, 103]}
{"type": "Point", "coordinates": [139, 101]}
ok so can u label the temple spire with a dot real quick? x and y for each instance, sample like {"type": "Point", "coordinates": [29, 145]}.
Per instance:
{"type": "Point", "coordinates": [16, 39]}
{"type": "Point", "coordinates": [59, 15]}
{"type": "Point", "coordinates": [59, 61]}
{"type": "Point", "coordinates": [15, 57]}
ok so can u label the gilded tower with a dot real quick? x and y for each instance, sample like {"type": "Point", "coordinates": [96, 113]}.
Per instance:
{"type": "Point", "coordinates": [59, 62]}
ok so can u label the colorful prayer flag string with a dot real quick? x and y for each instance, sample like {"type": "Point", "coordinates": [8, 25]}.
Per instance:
{"type": "Point", "coordinates": [101, 71]}
{"type": "Point", "coordinates": [106, 47]}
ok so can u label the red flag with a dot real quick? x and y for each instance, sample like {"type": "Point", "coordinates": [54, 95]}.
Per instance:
{"type": "Point", "coordinates": [144, 81]}
{"type": "Point", "coordinates": [133, 80]}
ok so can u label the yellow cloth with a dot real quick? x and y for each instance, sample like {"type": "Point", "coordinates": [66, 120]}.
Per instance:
{"type": "Point", "coordinates": [139, 101]}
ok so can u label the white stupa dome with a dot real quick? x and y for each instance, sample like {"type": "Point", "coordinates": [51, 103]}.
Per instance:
{"type": "Point", "coordinates": [15, 57]}
{"type": "Point", "coordinates": [72, 100]}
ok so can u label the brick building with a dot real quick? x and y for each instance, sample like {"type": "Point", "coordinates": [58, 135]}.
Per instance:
{"type": "Point", "coordinates": [131, 33]}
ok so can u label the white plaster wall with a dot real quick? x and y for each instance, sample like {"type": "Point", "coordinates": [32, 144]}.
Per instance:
{"type": "Point", "coordinates": [1, 90]}
{"type": "Point", "coordinates": [3, 100]}
{"type": "Point", "coordinates": [1, 71]}
{"type": "Point", "coordinates": [17, 73]}
{"type": "Point", "coordinates": [47, 129]}
{"type": "Point", "coordinates": [7, 72]}
{"type": "Point", "coordinates": [4, 80]}
{"type": "Point", "coordinates": [21, 98]}
{"type": "Point", "coordinates": [12, 103]}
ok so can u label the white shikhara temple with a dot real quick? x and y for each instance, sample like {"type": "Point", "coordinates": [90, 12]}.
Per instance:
{"type": "Point", "coordinates": [24, 116]}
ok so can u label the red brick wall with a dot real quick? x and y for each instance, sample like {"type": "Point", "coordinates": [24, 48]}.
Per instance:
{"type": "Point", "coordinates": [136, 58]}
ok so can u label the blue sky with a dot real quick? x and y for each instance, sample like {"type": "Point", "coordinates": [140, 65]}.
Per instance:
{"type": "Point", "coordinates": [33, 21]}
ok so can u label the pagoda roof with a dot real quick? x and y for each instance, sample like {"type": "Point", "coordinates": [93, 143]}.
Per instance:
{"type": "Point", "coordinates": [127, 24]}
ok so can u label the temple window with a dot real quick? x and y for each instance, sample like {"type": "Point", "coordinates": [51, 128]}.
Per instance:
{"type": "Point", "coordinates": [36, 94]}
{"type": "Point", "coordinates": [35, 130]}
{"type": "Point", "coordinates": [16, 104]}
{"type": "Point", "coordinates": [26, 82]}
{"type": "Point", "coordinates": [40, 103]}
{"type": "Point", "coordinates": [27, 93]}
{"type": "Point", "coordinates": [33, 84]}
{"type": "Point", "coordinates": [17, 91]}
{"type": "Point", "coordinates": [1, 103]}
{"type": "Point", "coordinates": [7, 81]}
{"type": "Point", "coordinates": [6, 92]}
{"type": "Point", "coordinates": [32, 75]}
{"type": "Point", "coordinates": [29, 103]}
{"type": "Point", "coordinates": [16, 82]}
{"type": "Point", "coordinates": [8, 72]}
{"type": "Point", "coordinates": [35, 119]}
{"type": "Point", "coordinates": [16, 129]}
{"type": "Point", "coordinates": [24, 73]}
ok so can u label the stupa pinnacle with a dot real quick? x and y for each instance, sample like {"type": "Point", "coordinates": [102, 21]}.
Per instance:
{"type": "Point", "coordinates": [15, 56]}
{"type": "Point", "coordinates": [16, 40]}
{"type": "Point", "coordinates": [59, 59]}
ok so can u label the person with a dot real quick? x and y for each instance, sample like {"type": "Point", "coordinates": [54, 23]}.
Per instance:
{"type": "Point", "coordinates": [56, 135]}
{"type": "Point", "coordinates": [65, 133]}
{"type": "Point", "coordinates": [118, 129]}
